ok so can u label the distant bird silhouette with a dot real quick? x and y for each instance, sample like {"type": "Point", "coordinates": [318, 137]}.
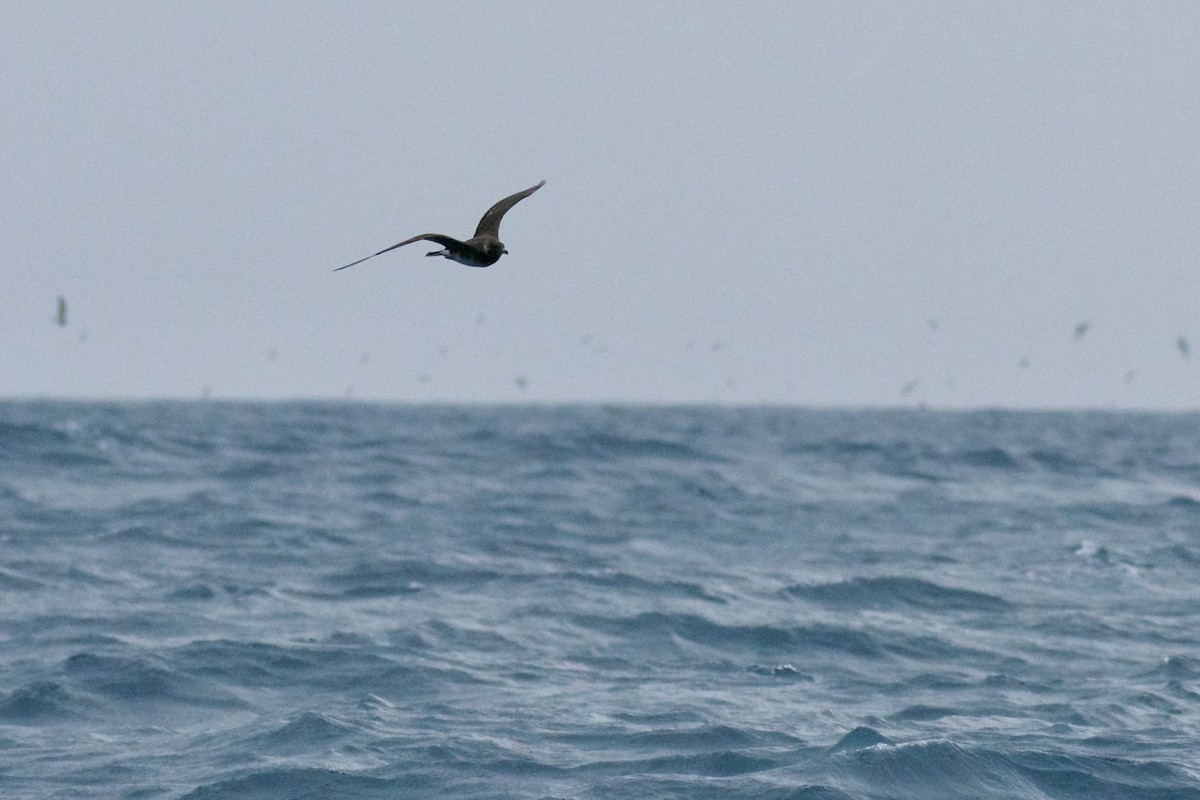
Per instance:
{"type": "Point", "coordinates": [1184, 348]}
{"type": "Point", "coordinates": [1081, 329]}
{"type": "Point", "coordinates": [61, 316]}
{"type": "Point", "coordinates": [481, 250]}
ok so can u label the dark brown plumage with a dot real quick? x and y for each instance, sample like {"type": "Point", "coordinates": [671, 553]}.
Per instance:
{"type": "Point", "coordinates": [481, 250]}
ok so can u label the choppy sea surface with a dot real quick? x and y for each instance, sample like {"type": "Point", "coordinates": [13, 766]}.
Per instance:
{"type": "Point", "coordinates": [211, 600]}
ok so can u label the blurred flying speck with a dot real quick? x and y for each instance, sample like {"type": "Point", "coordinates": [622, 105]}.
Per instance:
{"type": "Point", "coordinates": [1082, 328]}
{"type": "Point", "coordinates": [1184, 348]}
{"type": "Point", "coordinates": [61, 316]}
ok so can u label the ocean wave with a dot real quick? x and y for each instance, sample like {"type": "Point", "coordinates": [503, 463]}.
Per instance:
{"type": "Point", "coordinates": [324, 667]}
{"type": "Point", "coordinates": [759, 639]}
{"type": "Point", "coordinates": [860, 738]}
{"type": "Point", "coordinates": [1176, 668]}
{"type": "Point", "coordinates": [307, 782]}
{"type": "Point", "coordinates": [386, 577]}
{"type": "Point", "coordinates": [988, 458]}
{"type": "Point", "coordinates": [626, 582]}
{"type": "Point", "coordinates": [142, 680]}
{"type": "Point", "coordinates": [361, 601]}
{"type": "Point", "coordinates": [310, 731]}
{"type": "Point", "coordinates": [891, 591]}
{"type": "Point", "coordinates": [44, 700]}
{"type": "Point", "coordinates": [14, 581]}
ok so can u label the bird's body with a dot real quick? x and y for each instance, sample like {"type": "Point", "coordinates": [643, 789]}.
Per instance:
{"type": "Point", "coordinates": [481, 250]}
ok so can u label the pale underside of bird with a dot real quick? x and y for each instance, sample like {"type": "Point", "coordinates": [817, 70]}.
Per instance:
{"type": "Point", "coordinates": [481, 250]}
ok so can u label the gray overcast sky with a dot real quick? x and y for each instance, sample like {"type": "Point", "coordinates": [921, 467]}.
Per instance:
{"type": "Point", "coordinates": [817, 203]}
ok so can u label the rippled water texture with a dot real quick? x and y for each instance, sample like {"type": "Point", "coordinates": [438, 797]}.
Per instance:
{"type": "Point", "coordinates": [209, 600]}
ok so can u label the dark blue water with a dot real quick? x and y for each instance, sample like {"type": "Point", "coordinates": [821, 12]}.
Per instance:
{"type": "Point", "coordinates": [208, 600]}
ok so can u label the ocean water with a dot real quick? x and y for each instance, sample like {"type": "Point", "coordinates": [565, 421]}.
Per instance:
{"type": "Point", "coordinates": [211, 600]}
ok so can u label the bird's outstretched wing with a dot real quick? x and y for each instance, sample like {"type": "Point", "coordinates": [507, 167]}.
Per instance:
{"type": "Point", "coordinates": [444, 241]}
{"type": "Point", "coordinates": [490, 224]}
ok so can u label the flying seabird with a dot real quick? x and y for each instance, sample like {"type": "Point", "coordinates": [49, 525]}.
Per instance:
{"type": "Point", "coordinates": [481, 250]}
